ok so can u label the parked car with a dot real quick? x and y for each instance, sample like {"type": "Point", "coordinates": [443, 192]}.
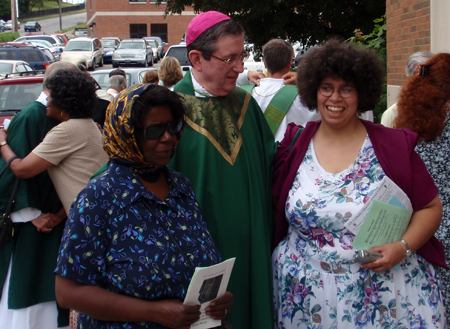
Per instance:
{"type": "Point", "coordinates": [84, 50]}
{"type": "Point", "coordinates": [8, 25]}
{"type": "Point", "coordinates": [62, 37]}
{"type": "Point", "coordinates": [155, 48]}
{"type": "Point", "coordinates": [254, 64]}
{"type": "Point", "coordinates": [56, 51]}
{"type": "Point", "coordinates": [9, 67]}
{"type": "Point", "coordinates": [32, 26]}
{"type": "Point", "coordinates": [134, 75]}
{"type": "Point", "coordinates": [53, 39]}
{"type": "Point", "coordinates": [2, 27]}
{"type": "Point", "coordinates": [37, 58]}
{"type": "Point", "coordinates": [133, 51]}
{"type": "Point", "coordinates": [160, 45]}
{"type": "Point", "coordinates": [17, 92]}
{"type": "Point", "coordinates": [109, 46]}
{"type": "Point", "coordinates": [180, 53]}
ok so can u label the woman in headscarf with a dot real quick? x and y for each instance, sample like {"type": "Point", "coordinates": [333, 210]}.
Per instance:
{"type": "Point", "coordinates": [136, 232]}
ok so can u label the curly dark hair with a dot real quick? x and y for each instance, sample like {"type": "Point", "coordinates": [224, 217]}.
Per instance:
{"type": "Point", "coordinates": [424, 102]}
{"type": "Point", "coordinates": [354, 64]}
{"type": "Point", "coordinates": [73, 92]}
{"type": "Point", "coordinates": [155, 95]}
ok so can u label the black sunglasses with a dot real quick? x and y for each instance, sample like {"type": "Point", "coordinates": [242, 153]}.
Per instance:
{"type": "Point", "coordinates": [156, 131]}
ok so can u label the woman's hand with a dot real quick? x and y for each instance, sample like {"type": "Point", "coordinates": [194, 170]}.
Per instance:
{"type": "Point", "coordinates": [172, 313]}
{"type": "Point", "coordinates": [393, 253]}
{"type": "Point", "coordinates": [220, 307]}
{"type": "Point", "coordinates": [43, 223]}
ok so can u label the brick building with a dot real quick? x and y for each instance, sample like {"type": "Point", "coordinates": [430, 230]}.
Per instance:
{"type": "Point", "coordinates": [135, 19]}
{"type": "Point", "coordinates": [413, 25]}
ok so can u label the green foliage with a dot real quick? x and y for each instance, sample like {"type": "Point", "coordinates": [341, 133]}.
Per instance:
{"type": "Point", "coordinates": [9, 36]}
{"type": "Point", "coordinates": [307, 21]}
{"type": "Point", "coordinates": [376, 40]}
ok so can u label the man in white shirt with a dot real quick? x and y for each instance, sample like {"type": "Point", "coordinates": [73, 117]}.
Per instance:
{"type": "Point", "coordinates": [280, 103]}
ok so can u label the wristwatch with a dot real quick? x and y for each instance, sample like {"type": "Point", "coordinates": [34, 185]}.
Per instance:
{"type": "Point", "coordinates": [408, 249]}
{"type": "Point", "coordinates": [3, 144]}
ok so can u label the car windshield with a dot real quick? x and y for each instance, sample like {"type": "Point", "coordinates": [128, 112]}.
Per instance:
{"type": "Point", "coordinates": [30, 24]}
{"type": "Point", "coordinates": [16, 97]}
{"type": "Point", "coordinates": [152, 43]}
{"type": "Point", "coordinates": [108, 43]}
{"type": "Point", "coordinates": [131, 45]}
{"type": "Point", "coordinates": [78, 46]}
{"type": "Point", "coordinates": [5, 68]}
{"type": "Point", "coordinates": [179, 53]}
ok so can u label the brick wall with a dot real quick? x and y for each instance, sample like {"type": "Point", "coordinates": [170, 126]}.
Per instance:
{"type": "Point", "coordinates": [408, 31]}
{"type": "Point", "coordinates": [113, 18]}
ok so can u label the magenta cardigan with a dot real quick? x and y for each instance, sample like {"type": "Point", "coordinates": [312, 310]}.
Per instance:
{"type": "Point", "coordinates": [394, 149]}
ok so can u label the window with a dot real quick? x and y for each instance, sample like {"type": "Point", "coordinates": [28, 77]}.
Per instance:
{"type": "Point", "coordinates": [159, 30]}
{"type": "Point", "coordinates": [134, 1]}
{"type": "Point", "coordinates": [31, 56]}
{"type": "Point", "coordinates": [8, 54]}
{"type": "Point", "coordinates": [138, 30]}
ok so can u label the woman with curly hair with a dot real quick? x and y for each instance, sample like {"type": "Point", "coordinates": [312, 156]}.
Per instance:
{"type": "Point", "coordinates": [170, 72]}
{"type": "Point", "coordinates": [424, 108]}
{"type": "Point", "coordinates": [322, 179]}
{"type": "Point", "coordinates": [73, 150]}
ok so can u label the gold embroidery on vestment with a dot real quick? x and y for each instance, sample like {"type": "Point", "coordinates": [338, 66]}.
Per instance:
{"type": "Point", "coordinates": [221, 127]}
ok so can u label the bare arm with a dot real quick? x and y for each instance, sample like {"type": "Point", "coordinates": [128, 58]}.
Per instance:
{"type": "Point", "coordinates": [422, 226]}
{"type": "Point", "coordinates": [105, 305]}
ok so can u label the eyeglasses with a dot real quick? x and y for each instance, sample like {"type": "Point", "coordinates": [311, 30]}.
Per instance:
{"type": "Point", "coordinates": [233, 60]}
{"type": "Point", "coordinates": [157, 131]}
{"type": "Point", "coordinates": [327, 91]}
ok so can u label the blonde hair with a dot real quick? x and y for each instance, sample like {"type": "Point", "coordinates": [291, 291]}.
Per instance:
{"type": "Point", "coordinates": [151, 77]}
{"type": "Point", "coordinates": [170, 71]}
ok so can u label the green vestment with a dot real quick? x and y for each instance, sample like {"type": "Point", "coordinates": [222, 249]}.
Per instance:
{"type": "Point", "coordinates": [226, 151]}
{"type": "Point", "coordinates": [33, 253]}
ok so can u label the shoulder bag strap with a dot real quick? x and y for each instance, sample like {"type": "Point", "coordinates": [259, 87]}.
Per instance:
{"type": "Point", "coordinates": [7, 165]}
{"type": "Point", "coordinates": [296, 136]}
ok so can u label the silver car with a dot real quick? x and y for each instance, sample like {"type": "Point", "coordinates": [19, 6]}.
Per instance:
{"type": "Point", "coordinates": [134, 75]}
{"type": "Point", "coordinates": [133, 52]}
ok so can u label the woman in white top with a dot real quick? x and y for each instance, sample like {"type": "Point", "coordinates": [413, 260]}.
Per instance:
{"type": "Point", "coordinates": [73, 150]}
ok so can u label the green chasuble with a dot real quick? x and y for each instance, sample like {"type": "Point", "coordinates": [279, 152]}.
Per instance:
{"type": "Point", "coordinates": [226, 151]}
{"type": "Point", "coordinates": [33, 253]}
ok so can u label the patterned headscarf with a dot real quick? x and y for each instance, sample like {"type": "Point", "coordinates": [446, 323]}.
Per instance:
{"type": "Point", "coordinates": [119, 140]}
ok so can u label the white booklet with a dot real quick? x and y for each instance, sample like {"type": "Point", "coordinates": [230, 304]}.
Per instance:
{"type": "Point", "coordinates": [208, 284]}
{"type": "Point", "coordinates": [383, 219]}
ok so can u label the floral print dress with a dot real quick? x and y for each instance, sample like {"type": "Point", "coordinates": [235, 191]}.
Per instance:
{"type": "Point", "coordinates": [435, 156]}
{"type": "Point", "coordinates": [316, 284]}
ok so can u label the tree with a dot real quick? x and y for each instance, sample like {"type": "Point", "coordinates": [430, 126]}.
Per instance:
{"type": "Point", "coordinates": [309, 21]}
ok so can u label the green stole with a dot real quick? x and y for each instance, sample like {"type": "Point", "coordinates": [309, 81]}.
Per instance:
{"type": "Point", "coordinates": [33, 253]}
{"type": "Point", "coordinates": [278, 106]}
{"type": "Point", "coordinates": [226, 152]}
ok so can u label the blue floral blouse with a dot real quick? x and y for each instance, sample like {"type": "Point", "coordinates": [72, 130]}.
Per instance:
{"type": "Point", "coordinates": [111, 240]}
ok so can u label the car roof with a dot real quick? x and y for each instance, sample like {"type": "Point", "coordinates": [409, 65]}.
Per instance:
{"type": "Point", "coordinates": [82, 39]}
{"type": "Point", "coordinates": [11, 61]}
{"type": "Point", "coordinates": [134, 40]}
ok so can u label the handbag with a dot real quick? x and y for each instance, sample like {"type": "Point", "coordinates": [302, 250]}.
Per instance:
{"type": "Point", "coordinates": [6, 224]}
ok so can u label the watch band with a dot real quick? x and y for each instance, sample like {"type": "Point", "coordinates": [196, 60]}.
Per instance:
{"type": "Point", "coordinates": [408, 249]}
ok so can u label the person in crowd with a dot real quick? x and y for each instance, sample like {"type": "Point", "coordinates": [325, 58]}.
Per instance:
{"type": "Point", "coordinates": [324, 180]}
{"type": "Point", "coordinates": [151, 77]}
{"type": "Point", "coordinates": [412, 63]}
{"type": "Point", "coordinates": [280, 103]}
{"type": "Point", "coordinates": [117, 72]}
{"type": "Point", "coordinates": [135, 271]}
{"type": "Point", "coordinates": [423, 107]}
{"type": "Point", "coordinates": [116, 84]}
{"type": "Point", "coordinates": [27, 302]}
{"type": "Point", "coordinates": [72, 151]}
{"type": "Point", "coordinates": [169, 72]}
{"type": "Point", "coordinates": [226, 152]}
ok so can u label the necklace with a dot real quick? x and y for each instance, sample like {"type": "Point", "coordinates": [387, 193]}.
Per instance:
{"type": "Point", "coordinates": [254, 89]}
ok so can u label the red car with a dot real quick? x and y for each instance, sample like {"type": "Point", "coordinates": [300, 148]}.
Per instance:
{"type": "Point", "coordinates": [16, 92]}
